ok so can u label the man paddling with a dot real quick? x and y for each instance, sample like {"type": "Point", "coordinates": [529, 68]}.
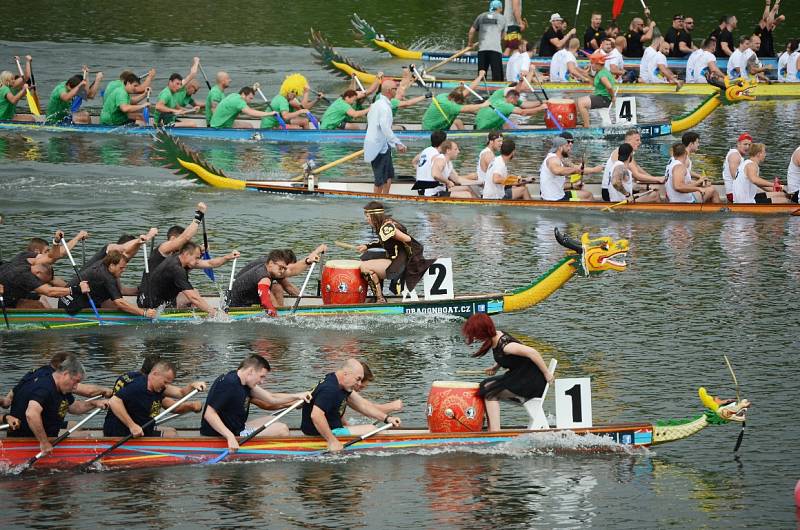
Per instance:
{"type": "Point", "coordinates": [653, 66]}
{"type": "Point", "coordinates": [227, 406]}
{"type": "Point", "coordinates": [321, 415]}
{"type": "Point", "coordinates": [139, 401]}
{"type": "Point", "coordinates": [139, 91]}
{"type": "Point", "coordinates": [172, 102]}
{"type": "Point", "coordinates": [118, 107]}
{"type": "Point", "coordinates": [490, 119]}
{"type": "Point", "coordinates": [10, 95]}
{"type": "Point", "coordinates": [292, 110]}
{"type": "Point", "coordinates": [83, 389]}
{"type": "Point", "coordinates": [386, 408]}
{"type": "Point", "coordinates": [341, 113]}
{"type": "Point", "coordinates": [749, 187]}
{"type": "Point", "coordinates": [733, 159]}
{"type": "Point", "coordinates": [380, 139]}
{"type": "Point", "coordinates": [554, 170]}
{"type": "Point", "coordinates": [442, 114]}
{"type": "Point", "coordinates": [680, 186]}
{"type": "Point", "coordinates": [216, 95]}
{"type": "Point", "coordinates": [127, 245]}
{"type": "Point", "coordinates": [21, 279]}
{"type": "Point", "coordinates": [42, 405]}
{"type": "Point", "coordinates": [702, 64]}
{"type": "Point", "coordinates": [564, 65]}
{"type": "Point", "coordinates": [496, 175]}
{"type": "Point", "coordinates": [643, 181]}
{"type": "Point", "coordinates": [59, 108]}
{"type": "Point", "coordinates": [226, 112]}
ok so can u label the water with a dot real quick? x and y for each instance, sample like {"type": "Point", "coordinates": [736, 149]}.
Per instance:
{"type": "Point", "coordinates": [696, 287]}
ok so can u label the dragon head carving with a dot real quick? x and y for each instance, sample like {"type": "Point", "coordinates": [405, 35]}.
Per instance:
{"type": "Point", "coordinates": [723, 410]}
{"type": "Point", "coordinates": [599, 254]}
{"type": "Point", "coordinates": [731, 92]}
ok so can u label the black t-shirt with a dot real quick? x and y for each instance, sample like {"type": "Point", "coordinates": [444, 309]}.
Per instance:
{"type": "Point", "coordinates": [141, 404]}
{"type": "Point", "coordinates": [634, 46]}
{"type": "Point", "coordinates": [166, 282]}
{"type": "Point", "coordinates": [767, 48]}
{"type": "Point", "coordinates": [591, 34]}
{"type": "Point", "coordinates": [155, 259]}
{"type": "Point", "coordinates": [675, 37]}
{"type": "Point", "coordinates": [231, 400]}
{"type": "Point", "coordinates": [42, 371]}
{"type": "Point", "coordinates": [124, 379]}
{"type": "Point", "coordinates": [546, 48]}
{"type": "Point", "coordinates": [329, 397]}
{"type": "Point", "coordinates": [100, 255]}
{"type": "Point", "coordinates": [245, 287]}
{"type": "Point", "coordinates": [18, 282]}
{"type": "Point", "coordinates": [55, 406]}
{"type": "Point", "coordinates": [724, 36]}
{"type": "Point", "coordinates": [255, 263]}
{"type": "Point", "coordinates": [102, 286]}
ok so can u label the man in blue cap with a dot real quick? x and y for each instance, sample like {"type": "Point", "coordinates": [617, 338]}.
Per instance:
{"type": "Point", "coordinates": [491, 29]}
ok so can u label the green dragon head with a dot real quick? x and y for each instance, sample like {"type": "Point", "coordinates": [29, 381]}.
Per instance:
{"type": "Point", "coordinates": [731, 92]}
{"type": "Point", "coordinates": [723, 411]}
{"type": "Point", "coordinates": [599, 254]}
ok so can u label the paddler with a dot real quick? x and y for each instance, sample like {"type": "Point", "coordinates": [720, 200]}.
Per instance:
{"type": "Point", "coordinates": [169, 283]}
{"type": "Point", "coordinates": [604, 88]}
{"type": "Point", "coordinates": [653, 66]}
{"type": "Point", "coordinates": [405, 263]}
{"type": "Point", "coordinates": [176, 99]}
{"type": "Point", "coordinates": [526, 372]}
{"type": "Point", "coordinates": [680, 185]}
{"type": "Point", "coordinates": [42, 404]}
{"type": "Point", "coordinates": [443, 172]}
{"type": "Point", "coordinates": [554, 171]}
{"type": "Point", "coordinates": [59, 108]}
{"type": "Point", "coordinates": [21, 279]}
{"type": "Point", "coordinates": [497, 174]}
{"type": "Point", "coordinates": [490, 119]}
{"type": "Point", "coordinates": [139, 401]}
{"type": "Point", "coordinates": [643, 181]}
{"type": "Point", "coordinates": [385, 408]}
{"type": "Point", "coordinates": [749, 187]}
{"type": "Point", "coordinates": [118, 106]}
{"type": "Point", "coordinates": [226, 112]}
{"type": "Point", "coordinates": [322, 416]}
{"type": "Point", "coordinates": [793, 176]}
{"type": "Point", "coordinates": [734, 157]}
{"type": "Point", "coordinates": [140, 90]}
{"type": "Point", "coordinates": [564, 65]}
{"type": "Point", "coordinates": [216, 95]}
{"type": "Point", "coordinates": [127, 245]}
{"type": "Point", "coordinates": [340, 113]}
{"type": "Point", "coordinates": [294, 112]}
{"type": "Point", "coordinates": [442, 114]}
{"type": "Point", "coordinates": [228, 403]}
{"type": "Point", "coordinates": [11, 91]}
{"type": "Point", "coordinates": [621, 179]}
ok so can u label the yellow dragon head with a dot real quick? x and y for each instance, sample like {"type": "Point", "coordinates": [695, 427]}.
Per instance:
{"type": "Point", "coordinates": [731, 92]}
{"type": "Point", "coordinates": [599, 254]}
{"type": "Point", "coordinates": [724, 410]}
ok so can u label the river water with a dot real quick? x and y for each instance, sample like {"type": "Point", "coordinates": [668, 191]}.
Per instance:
{"type": "Point", "coordinates": [696, 288]}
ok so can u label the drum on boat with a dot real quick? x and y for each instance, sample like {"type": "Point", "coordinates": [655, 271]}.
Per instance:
{"type": "Point", "coordinates": [564, 110]}
{"type": "Point", "coordinates": [454, 406]}
{"type": "Point", "coordinates": [342, 283]}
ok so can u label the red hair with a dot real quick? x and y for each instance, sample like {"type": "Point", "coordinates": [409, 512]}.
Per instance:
{"type": "Point", "coordinates": [479, 327]}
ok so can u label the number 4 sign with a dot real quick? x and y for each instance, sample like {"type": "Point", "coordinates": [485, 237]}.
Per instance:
{"type": "Point", "coordinates": [438, 280]}
{"type": "Point", "coordinates": [573, 403]}
{"type": "Point", "coordinates": [625, 111]}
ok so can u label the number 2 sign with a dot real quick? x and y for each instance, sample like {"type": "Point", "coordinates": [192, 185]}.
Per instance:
{"type": "Point", "coordinates": [573, 403]}
{"type": "Point", "coordinates": [438, 280]}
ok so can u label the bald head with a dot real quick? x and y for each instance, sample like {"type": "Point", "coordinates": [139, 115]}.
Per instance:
{"type": "Point", "coordinates": [388, 87]}
{"type": "Point", "coordinates": [223, 79]}
{"type": "Point", "coordinates": [350, 374]}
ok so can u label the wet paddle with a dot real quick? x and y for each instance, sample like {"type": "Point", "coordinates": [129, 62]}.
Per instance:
{"type": "Point", "coordinates": [335, 163]}
{"type": "Point", "coordinates": [78, 100]}
{"type": "Point", "coordinates": [303, 288]}
{"type": "Point", "coordinates": [546, 104]}
{"type": "Point", "coordinates": [209, 272]}
{"type": "Point", "coordinates": [360, 438]}
{"type": "Point", "coordinates": [78, 274]}
{"type": "Point", "coordinates": [153, 421]}
{"type": "Point", "coordinates": [505, 118]}
{"type": "Point", "coordinates": [5, 311]}
{"type": "Point", "coordinates": [146, 110]}
{"type": "Point", "coordinates": [227, 297]}
{"type": "Point", "coordinates": [256, 432]}
{"type": "Point", "coordinates": [208, 84]}
{"type": "Point", "coordinates": [63, 437]}
{"type": "Point", "coordinates": [451, 58]}
{"type": "Point", "coordinates": [744, 423]}
{"type": "Point", "coordinates": [281, 121]}
{"type": "Point", "coordinates": [29, 96]}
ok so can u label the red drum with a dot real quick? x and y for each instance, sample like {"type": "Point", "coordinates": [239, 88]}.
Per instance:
{"type": "Point", "coordinates": [564, 110]}
{"type": "Point", "coordinates": [342, 283]}
{"type": "Point", "coordinates": [454, 406]}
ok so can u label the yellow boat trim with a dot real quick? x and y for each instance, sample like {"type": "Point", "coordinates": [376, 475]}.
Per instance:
{"type": "Point", "coordinates": [212, 179]}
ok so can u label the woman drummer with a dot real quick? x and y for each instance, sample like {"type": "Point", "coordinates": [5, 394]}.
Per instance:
{"type": "Point", "coordinates": [526, 373]}
{"type": "Point", "coordinates": [403, 263]}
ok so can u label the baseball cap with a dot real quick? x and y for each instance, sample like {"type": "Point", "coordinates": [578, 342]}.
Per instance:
{"type": "Point", "coordinates": [494, 5]}
{"type": "Point", "coordinates": [566, 135]}
{"type": "Point", "coordinates": [598, 57]}
{"type": "Point", "coordinates": [555, 16]}
{"type": "Point", "coordinates": [557, 142]}
{"type": "Point", "coordinates": [745, 136]}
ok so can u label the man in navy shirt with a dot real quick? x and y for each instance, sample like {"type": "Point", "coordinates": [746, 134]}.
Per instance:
{"type": "Point", "coordinates": [140, 400]}
{"type": "Point", "coordinates": [322, 416]}
{"type": "Point", "coordinates": [228, 403]}
{"type": "Point", "coordinates": [42, 404]}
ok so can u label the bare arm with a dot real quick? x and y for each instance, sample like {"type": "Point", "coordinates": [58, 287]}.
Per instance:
{"type": "Point", "coordinates": [82, 407]}
{"type": "Point", "coordinates": [219, 261]}
{"type": "Point", "coordinates": [560, 170]}
{"type": "Point", "coordinates": [681, 183]}
{"type": "Point", "coordinates": [751, 172]}
{"type": "Point", "coordinates": [526, 351]}
{"type": "Point", "coordinates": [192, 71]}
{"type": "Point", "coordinates": [369, 409]}
{"type": "Point", "coordinates": [279, 399]}
{"type": "Point", "coordinates": [95, 88]}
{"type": "Point", "coordinates": [216, 423]}
{"type": "Point", "coordinates": [666, 72]}
{"type": "Point", "coordinates": [648, 33]}
{"type": "Point", "coordinates": [437, 172]}
{"type": "Point", "coordinates": [33, 415]}
{"type": "Point", "coordinates": [257, 113]}
{"type": "Point", "coordinates": [726, 49]}
{"type": "Point", "coordinates": [471, 36]}
{"type": "Point", "coordinates": [199, 302]}
{"type": "Point", "coordinates": [640, 175]}
{"type": "Point", "coordinates": [577, 72]}
{"type": "Point", "coordinates": [616, 180]}
{"type": "Point", "coordinates": [411, 101]}
{"type": "Point", "coordinates": [117, 406]}
{"type": "Point", "coordinates": [321, 424]}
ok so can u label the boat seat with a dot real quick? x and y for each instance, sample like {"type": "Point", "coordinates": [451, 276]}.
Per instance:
{"type": "Point", "coordinates": [534, 406]}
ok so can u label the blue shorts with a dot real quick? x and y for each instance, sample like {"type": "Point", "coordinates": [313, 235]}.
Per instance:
{"type": "Point", "coordinates": [341, 431]}
{"type": "Point", "coordinates": [382, 168]}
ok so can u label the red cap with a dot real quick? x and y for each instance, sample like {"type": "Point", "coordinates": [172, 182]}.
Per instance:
{"type": "Point", "coordinates": [745, 136]}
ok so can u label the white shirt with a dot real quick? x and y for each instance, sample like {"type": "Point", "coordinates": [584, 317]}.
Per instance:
{"type": "Point", "coordinates": [727, 177]}
{"type": "Point", "coordinates": [736, 64]}
{"type": "Point", "coordinates": [793, 175]}
{"type": "Point", "coordinates": [783, 63]}
{"type": "Point", "coordinates": [480, 172]}
{"type": "Point", "coordinates": [697, 66]}
{"type": "Point", "coordinates": [744, 191]}
{"type": "Point", "coordinates": [614, 57]}
{"type": "Point", "coordinates": [672, 194]}
{"type": "Point", "coordinates": [379, 137]}
{"type": "Point", "coordinates": [605, 183]}
{"type": "Point", "coordinates": [627, 183]}
{"type": "Point", "coordinates": [491, 189]}
{"type": "Point", "coordinates": [792, 74]}
{"type": "Point", "coordinates": [424, 163]}
{"type": "Point", "coordinates": [648, 68]}
{"type": "Point", "coordinates": [551, 185]}
{"type": "Point", "coordinates": [517, 64]}
{"type": "Point", "coordinates": [558, 66]}
{"type": "Point", "coordinates": [448, 169]}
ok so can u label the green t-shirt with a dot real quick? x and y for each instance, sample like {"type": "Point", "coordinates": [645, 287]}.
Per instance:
{"type": "Point", "coordinates": [599, 88]}
{"type": "Point", "coordinates": [111, 113]}
{"type": "Point", "coordinates": [336, 115]}
{"type": "Point", "coordinates": [433, 120]}
{"type": "Point", "coordinates": [497, 95]}
{"type": "Point", "coordinates": [227, 111]}
{"type": "Point", "coordinates": [57, 108]}
{"type": "Point", "coordinates": [7, 109]}
{"type": "Point", "coordinates": [488, 120]}
{"type": "Point", "coordinates": [172, 100]}
{"type": "Point", "coordinates": [214, 95]}
{"type": "Point", "coordinates": [279, 104]}
{"type": "Point", "coordinates": [395, 104]}
{"type": "Point", "coordinates": [112, 86]}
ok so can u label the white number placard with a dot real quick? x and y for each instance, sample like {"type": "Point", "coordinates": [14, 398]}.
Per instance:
{"type": "Point", "coordinates": [438, 280]}
{"type": "Point", "coordinates": [625, 111]}
{"type": "Point", "coordinates": [573, 403]}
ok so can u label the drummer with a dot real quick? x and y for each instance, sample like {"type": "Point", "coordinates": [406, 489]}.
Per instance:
{"type": "Point", "coordinates": [404, 264]}
{"type": "Point", "coordinates": [604, 88]}
{"type": "Point", "coordinates": [526, 373]}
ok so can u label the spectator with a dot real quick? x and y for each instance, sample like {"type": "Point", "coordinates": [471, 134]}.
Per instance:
{"type": "Point", "coordinates": [769, 21]}
{"type": "Point", "coordinates": [554, 38]}
{"type": "Point", "coordinates": [594, 34]}
{"type": "Point", "coordinates": [680, 42]}
{"type": "Point", "coordinates": [636, 36]}
{"type": "Point", "coordinates": [725, 46]}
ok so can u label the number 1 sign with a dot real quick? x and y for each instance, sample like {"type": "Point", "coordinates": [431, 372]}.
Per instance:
{"type": "Point", "coordinates": [573, 403]}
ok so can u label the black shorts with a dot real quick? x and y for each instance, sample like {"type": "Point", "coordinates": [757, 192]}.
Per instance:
{"type": "Point", "coordinates": [794, 196]}
{"type": "Point", "coordinates": [422, 185]}
{"type": "Point", "coordinates": [761, 198]}
{"type": "Point", "coordinates": [382, 168]}
{"type": "Point", "coordinates": [605, 195]}
{"type": "Point", "coordinates": [599, 102]}
{"type": "Point", "coordinates": [567, 196]}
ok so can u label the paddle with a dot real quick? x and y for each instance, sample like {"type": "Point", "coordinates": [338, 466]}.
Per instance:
{"type": "Point", "coordinates": [303, 288]}
{"type": "Point", "coordinates": [470, 372]}
{"type": "Point", "coordinates": [5, 311]}
{"type": "Point", "coordinates": [61, 438]}
{"type": "Point", "coordinates": [348, 246]}
{"type": "Point", "coordinates": [28, 94]}
{"type": "Point", "coordinates": [281, 121]}
{"type": "Point", "coordinates": [84, 467]}
{"type": "Point", "coordinates": [78, 274]}
{"type": "Point", "coordinates": [230, 285]}
{"type": "Point", "coordinates": [546, 106]}
{"type": "Point", "coordinates": [505, 118]}
{"type": "Point", "coordinates": [78, 100]}
{"type": "Point", "coordinates": [744, 423]}
{"type": "Point", "coordinates": [209, 272]}
{"type": "Point", "coordinates": [451, 58]}
{"type": "Point", "coordinates": [577, 12]}
{"type": "Point", "coordinates": [620, 203]}
{"type": "Point", "coordinates": [146, 110]}
{"type": "Point", "coordinates": [146, 282]}
{"type": "Point", "coordinates": [335, 163]}
{"type": "Point", "coordinates": [32, 88]}
{"type": "Point", "coordinates": [83, 253]}
{"type": "Point", "coordinates": [362, 437]}
{"type": "Point", "coordinates": [204, 75]}
{"type": "Point", "coordinates": [256, 432]}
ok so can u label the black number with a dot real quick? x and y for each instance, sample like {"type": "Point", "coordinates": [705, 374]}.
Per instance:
{"type": "Point", "coordinates": [575, 394]}
{"type": "Point", "coordinates": [440, 271]}
{"type": "Point", "coordinates": [625, 112]}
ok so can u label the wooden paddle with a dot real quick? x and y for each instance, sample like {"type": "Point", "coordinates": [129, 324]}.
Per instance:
{"type": "Point", "coordinates": [78, 274]}
{"type": "Point", "coordinates": [470, 372]}
{"type": "Point", "coordinates": [256, 432]}
{"type": "Point", "coordinates": [452, 57]}
{"type": "Point", "coordinates": [29, 96]}
{"type": "Point", "coordinates": [335, 163]}
{"type": "Point", "coordinates": [620, 203]}
{"type": "Point", "coordinates": [303, 288]}
{"type": "Point", "coordinates": [348, 246]}
{"type": "Point", "coordinates": [63, 437]}
{"type": "Point", "coordinates": [85, 467]}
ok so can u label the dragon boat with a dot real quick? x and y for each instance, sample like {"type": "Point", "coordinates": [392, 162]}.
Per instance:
{"type": "Point", "coordinates": [370, 36]}
{"type": "Point", "coordinates": [188, 164]}
{"type": "Point", "coordinates": [190, 448]}
{"type": "Point", "coordinates": [326, 56]}
{"type": "Point", "coordinates": [585, 257]}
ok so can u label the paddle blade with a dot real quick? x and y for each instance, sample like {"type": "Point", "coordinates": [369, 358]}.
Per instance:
{"type": "Point", "coordinates": [740, 438]}
{"type": "Point", "coordinates": [76, 104]}
{"type": "Point", "coordinates": [209, 272]}
{"type": "Point", "coordinates": [32, 104]}
{"type": "Point", "coordinates": [220, 457]}
{"type": "Point", "coordinates": [146, 115]}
